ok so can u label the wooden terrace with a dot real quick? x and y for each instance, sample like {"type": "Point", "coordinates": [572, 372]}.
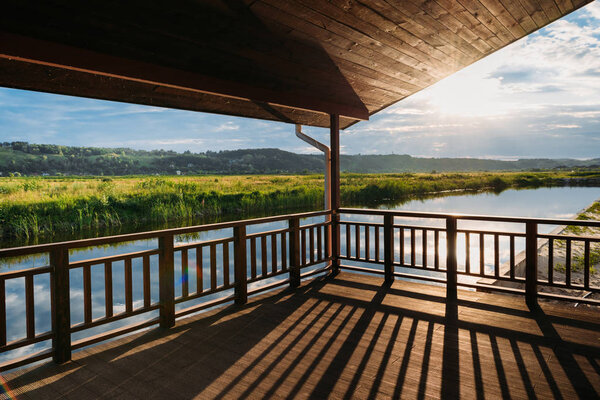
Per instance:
{"type": "Point", "coordinates": [345, 333]}
{"type": "Point", "coordinates": [344, 336]}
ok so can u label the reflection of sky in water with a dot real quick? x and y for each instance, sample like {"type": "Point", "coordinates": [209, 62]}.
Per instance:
{"type": "Point", "coordinates": [15, 297]}
{"type": "Point", "coordinates": [544, 202]}
{"type": "Point", "coordinates": [561, 202]}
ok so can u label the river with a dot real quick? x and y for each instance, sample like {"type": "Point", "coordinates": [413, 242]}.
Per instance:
{"type": "Point", "coordinates": [559, 202]}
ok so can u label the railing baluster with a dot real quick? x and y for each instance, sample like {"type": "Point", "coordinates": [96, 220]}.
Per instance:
{"type": "Point", "coordinates": [312, 245]}
{"type": "Point", "coordinates": [451, 261]}
{"type": "Point", "coordinates": [468, 253]}
{"type": "Point", "coordinates": [146, 278]}
{"type": "Point", "coordinates": [327, 232]}
{"type": "Point", "coordinates": [424, 247]}
{"type": "Point", "coordinates": [568, 263]}
{"type": "Point", "coordinates": [226, 263]}
{"type": "Point", "coordinates": [284, 262]}
{"type": "Point", "coordinates": [87, 294]}
{"type": "Point", "coordinates": [348, 242]}
{"type": "Point", "coordinates": [253, 257]}
{"type": "Point", "coordinates": [401, 246]}
{"type": "Point", "coordinates": [263, 255]}
{"type": "Point", "coordinates": [29, 307]}
{"type": "Point", "coordinates": [166, 281]}
{"type": "Point", "coordinates": [413, 257]}
{"type": "Point", "coordinates": [333, 236]}
{"type": "Point", "coordinates": [302, 247]}
{"type": "Point", "coordinates": [357, 240]}
{"type": "Point", "coordinates": [367, 242]}
{"type": "Point", "coordinates": [213, 266]}
{"type": "Point", "coordinates": [436, 241]}
{"type": "Point", "coordinates": [128, 286]}
{"type": "Point", "coordinates": [388, 247]}
{"type": "Point", "coordinates": [496, 255]}
{"type": "Point", "coordinates": [2, 312]}
{"type": "Point", "coordinates": [586, 265]}
{"type": "Point", "coordinates": [274, 253]}
{"type": "Point", "coordinates": [531, 267]}
{"type": "Point", "coordinates": [185, 289]}
{"type": "Point", "coordinates": [512, 257]}
{"type": "Point", "coordinates": [481, 254]}
{"type": "Point", "coordinates": [240, 264]}
{"type": "Point", "coordinates": [377, 243]}
{"type": "Point", "coordinates": [200, 270]}
{"type": "Point", "coordinates": [319, 242]}
{"type": "Point", "coordinates": [294, 226]}
{"type": "Point", "coordinates": [551, 260]}
{"type": "Point", "coordinates": [61, 342]}
{"type": "Point", "coordinates": [108, 290]}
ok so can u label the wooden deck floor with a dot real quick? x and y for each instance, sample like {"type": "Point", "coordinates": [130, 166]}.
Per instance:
{"type": "Point", "coordinates": [344, 337]}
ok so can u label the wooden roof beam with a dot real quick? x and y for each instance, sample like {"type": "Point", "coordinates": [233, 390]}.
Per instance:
{"type": "Point", "coordinates": [40, 52]}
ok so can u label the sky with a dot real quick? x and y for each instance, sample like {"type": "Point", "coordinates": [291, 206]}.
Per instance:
{"type": "Point", "coordinates": [539, 97]}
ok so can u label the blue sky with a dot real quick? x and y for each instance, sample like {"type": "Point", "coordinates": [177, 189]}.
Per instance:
{"type": "Point", "coordinates": [539, 97]}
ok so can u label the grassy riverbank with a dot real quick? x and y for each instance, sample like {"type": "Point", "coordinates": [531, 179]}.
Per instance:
{"type": "Point", "coordinates": [43, 206]}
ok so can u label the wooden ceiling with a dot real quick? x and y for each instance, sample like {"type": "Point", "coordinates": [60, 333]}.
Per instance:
{"type": "Point", "coordinates": [285, 60]}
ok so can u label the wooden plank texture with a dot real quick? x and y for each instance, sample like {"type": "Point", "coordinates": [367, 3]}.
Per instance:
{"type": "Point", "coordinates": [344, 337]}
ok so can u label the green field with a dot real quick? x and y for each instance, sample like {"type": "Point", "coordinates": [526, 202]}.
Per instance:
{"type": "Point", "coordinates": [44, 206]}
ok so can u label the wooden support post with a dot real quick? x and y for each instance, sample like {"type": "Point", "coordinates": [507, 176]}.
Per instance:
{"type": "Point", "coordinates": [531, 264]}
{"type": "Point", "coordinates": [334, 190]}
{"type": "Point", "coordinates": [61, 310]}
{"type": "Point", "coordinates": [451, 263]}
{"type": "Point", "coordinates": [388, 247]}
{"type": "Point", "coordinates": [166, 281]}
{"type": "Point", "coordinates": [240, 264]}
{"type": "Point", "coordinates": [294, 225]}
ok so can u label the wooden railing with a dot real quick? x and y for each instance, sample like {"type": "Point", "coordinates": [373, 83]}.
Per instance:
{"type": "Point", "coordinates": [282, 251]}
{"type": "Point", "coordinates": [414, 247]}
{"type": "Point", "coordinates": [442, 248]}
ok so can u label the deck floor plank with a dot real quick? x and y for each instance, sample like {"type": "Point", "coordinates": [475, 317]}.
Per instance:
{"type": "Point", "coordinates": [343, 337]}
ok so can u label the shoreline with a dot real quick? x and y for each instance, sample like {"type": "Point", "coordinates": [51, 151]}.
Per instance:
{"type": "Point", "coordinates": [559, 256]}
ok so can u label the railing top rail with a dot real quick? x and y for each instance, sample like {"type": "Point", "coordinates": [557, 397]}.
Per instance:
{"type": "Point", "coordinates": [470, 217]}
{"type": "Point", "coordinates": [73, 244]}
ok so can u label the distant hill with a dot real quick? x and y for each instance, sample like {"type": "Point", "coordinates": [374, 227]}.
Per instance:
{"type": "Point", "coordinates": [39, 159]}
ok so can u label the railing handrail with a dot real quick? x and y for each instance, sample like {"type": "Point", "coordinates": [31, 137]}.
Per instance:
{"type": "Point", "coordinates": [74, 244]}
{"type": "Point", "coordinates": [470, 217]}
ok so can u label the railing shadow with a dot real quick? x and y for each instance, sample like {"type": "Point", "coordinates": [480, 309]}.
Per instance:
{"type": "Point", "coordinates": [349, 336]}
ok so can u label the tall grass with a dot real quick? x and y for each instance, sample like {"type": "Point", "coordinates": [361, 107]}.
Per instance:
{"type": "Point", "coordinates": [44, 206]}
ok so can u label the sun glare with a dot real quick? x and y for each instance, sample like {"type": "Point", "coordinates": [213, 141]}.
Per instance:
{"type": "Point", "coordinates": [468, 95]}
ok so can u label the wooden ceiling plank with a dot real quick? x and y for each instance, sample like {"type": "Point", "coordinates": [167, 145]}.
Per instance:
{"type": "Point", "coordinates": [337, 45]}
{"type": "Point", "coordinates": [399, 30]}
{"type": "Point", "coordinates": [376, 79]}
{"type": "Point", "coordinates": [520, 15]}
{"type": "Point", "coordinates": [429, 30]}
{"type": "Point", "coordinates": [434, 27]}
{"type": "Point", "coordinates": [416, 22]}
{"type": "Point", "coordinates": [443, 18]}
{"type": "Point", "coordinates": [488, 19]}
{"type": "Point", "coordinates": [472, 21]}
{"type": "Point", "coordinates": [331, 12]}
{"type": "Point", "coordinates": [550, 8]}
{"type": "Point", "coordinates": [564, 5]}
{"type": "Point", "coordinates": [536, 11]}
{"type": "Point", "coordinates": [301, 18]}
{"type": "Point", "coordinates": [501, 14]}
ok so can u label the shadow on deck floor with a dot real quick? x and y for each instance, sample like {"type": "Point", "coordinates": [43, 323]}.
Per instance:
{"type": "Point", "coordinates": [348, 336]}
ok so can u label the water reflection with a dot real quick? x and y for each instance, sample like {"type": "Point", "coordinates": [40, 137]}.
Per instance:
{"type": "Point", "coordinates": [544, 202]}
